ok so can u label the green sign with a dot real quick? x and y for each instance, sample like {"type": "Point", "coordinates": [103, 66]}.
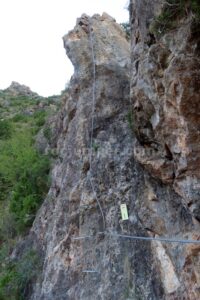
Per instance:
{"type": "Point", "coordinates": [124, 212]}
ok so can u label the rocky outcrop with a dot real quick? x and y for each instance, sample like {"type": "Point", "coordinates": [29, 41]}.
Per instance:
{"type": "Point", "coordinates": [92, 177]}
{"type": "Point", "coordinates": [18, 98]}
{"type": "Point", "coordinates": [16, 89]}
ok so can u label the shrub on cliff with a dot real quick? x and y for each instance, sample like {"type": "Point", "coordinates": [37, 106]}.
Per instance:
{"type": "Point", "coordinates": [127, 28]}
{"type": "Point", "coordinates": [16, 277]}
{"type": "Point", "coordinates": [174, 10]}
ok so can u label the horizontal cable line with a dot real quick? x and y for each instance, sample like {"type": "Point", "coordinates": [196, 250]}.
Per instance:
{"type": "Point", "coordinates": [161, 239]}
{"type": "Point", "coordinates": [143, 238]}
{"type": "Point", "coordinates": [82, 237]}
{"type": "Point", "coordinates": [86, 236]}
{"type": "Point", "coordinates": [90, 271]}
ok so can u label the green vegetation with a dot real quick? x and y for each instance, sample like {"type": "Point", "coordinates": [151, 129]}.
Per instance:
{"type": "Point", "coordinates": [20, 118]}
{"type": "Point", "coordinates": [16, 276]}
{"type": "Point", "coordinates": [23, 171]}
{"type": "Point", "coordinates": [130, 120]}
{"type": "Point", "coordinates": [127, 28]}
{"type": "Point", "coordinates": [47, 133]}
{"type": "Point", "coordinates": [29, 191]}
{"type": "Point", "coordinates": [5, 129]}
{"type": "Point", "coordinates": [40, 117]}
{"type": "Point", "coordinates": [24, 182]}
{"type": "Point", "coordinates": [172, 12]}
{"type": "Point", "coordinates": [95, 147]}
{"type": "Point", "coordinates": [195, 7]}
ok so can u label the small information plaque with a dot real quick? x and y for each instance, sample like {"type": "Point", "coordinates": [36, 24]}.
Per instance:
{"type": "Point", "coordinates": [124, 212]}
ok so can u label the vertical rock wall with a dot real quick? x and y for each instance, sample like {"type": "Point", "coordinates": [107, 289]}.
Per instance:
{"type": "Point", "coordinates": [165, 93]}
{"type": "Point", "coordinates": [166, 98]}
{"type": "Point", "coordinates": [106, 266]}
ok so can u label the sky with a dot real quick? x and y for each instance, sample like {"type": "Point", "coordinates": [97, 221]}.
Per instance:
{"type": "Point", "coordinates": [31, 47]}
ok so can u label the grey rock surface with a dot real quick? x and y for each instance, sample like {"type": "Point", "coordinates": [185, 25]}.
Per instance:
{"type": "Point", "coordinates": [165, 96]}
{"type": "Point", "coordinates": [121, 268]}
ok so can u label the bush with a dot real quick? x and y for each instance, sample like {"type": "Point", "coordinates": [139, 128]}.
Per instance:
{"type": "Point", "coordinates": [21, 118]}
{"type": "Point", "coordinates": [47, 133]}
{"type": "Point", "coordinates": [5, 129]}
{"type": "Point", "coordinates": [5, 185]}
{"type": "Point", "coordinates": [40, 117]}
{"type": "Point", "coordinates": [127, 29]}
{"type": "Point", "coordinates": [174, 10]}
{"type": "Point", "coordinates": [130, 119]}
{"type": "Point", "coordinates": [7, 225]}
{"type": "Point", "coordinates": [29, 191]}
{"type": "Point", "coordinates": [24, 182]}
{"type": "Point", "coordinates": [16, 277]}
{"type": "Point", "coordinates": [195, 7]}
{"type": "Point", "coordinates": [23, 177]}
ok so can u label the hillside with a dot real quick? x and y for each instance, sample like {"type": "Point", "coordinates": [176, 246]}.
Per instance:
{"type": "Point", "coordinates": [24, 172]}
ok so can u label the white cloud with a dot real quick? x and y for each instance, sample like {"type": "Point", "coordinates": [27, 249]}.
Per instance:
{"type": "Point", "coordinates": [31, 33]}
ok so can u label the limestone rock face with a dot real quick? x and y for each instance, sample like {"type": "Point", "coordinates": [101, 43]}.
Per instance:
{"type": "Point", "coordinates": [165, 93]}
{"type": "Point", "coordinates": [92, 177]}
{"type": "Point", "coordinates": [166, 102]}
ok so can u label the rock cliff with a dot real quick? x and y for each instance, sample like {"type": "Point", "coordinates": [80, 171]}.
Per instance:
{"type": "Point", "coordinates": [165, 93]}
{"type": "Point", "coordinates": [141, 150]}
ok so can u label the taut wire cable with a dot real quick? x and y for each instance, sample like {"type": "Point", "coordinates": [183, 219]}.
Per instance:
{"type": "Point", "coordinates": [92, 125]}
